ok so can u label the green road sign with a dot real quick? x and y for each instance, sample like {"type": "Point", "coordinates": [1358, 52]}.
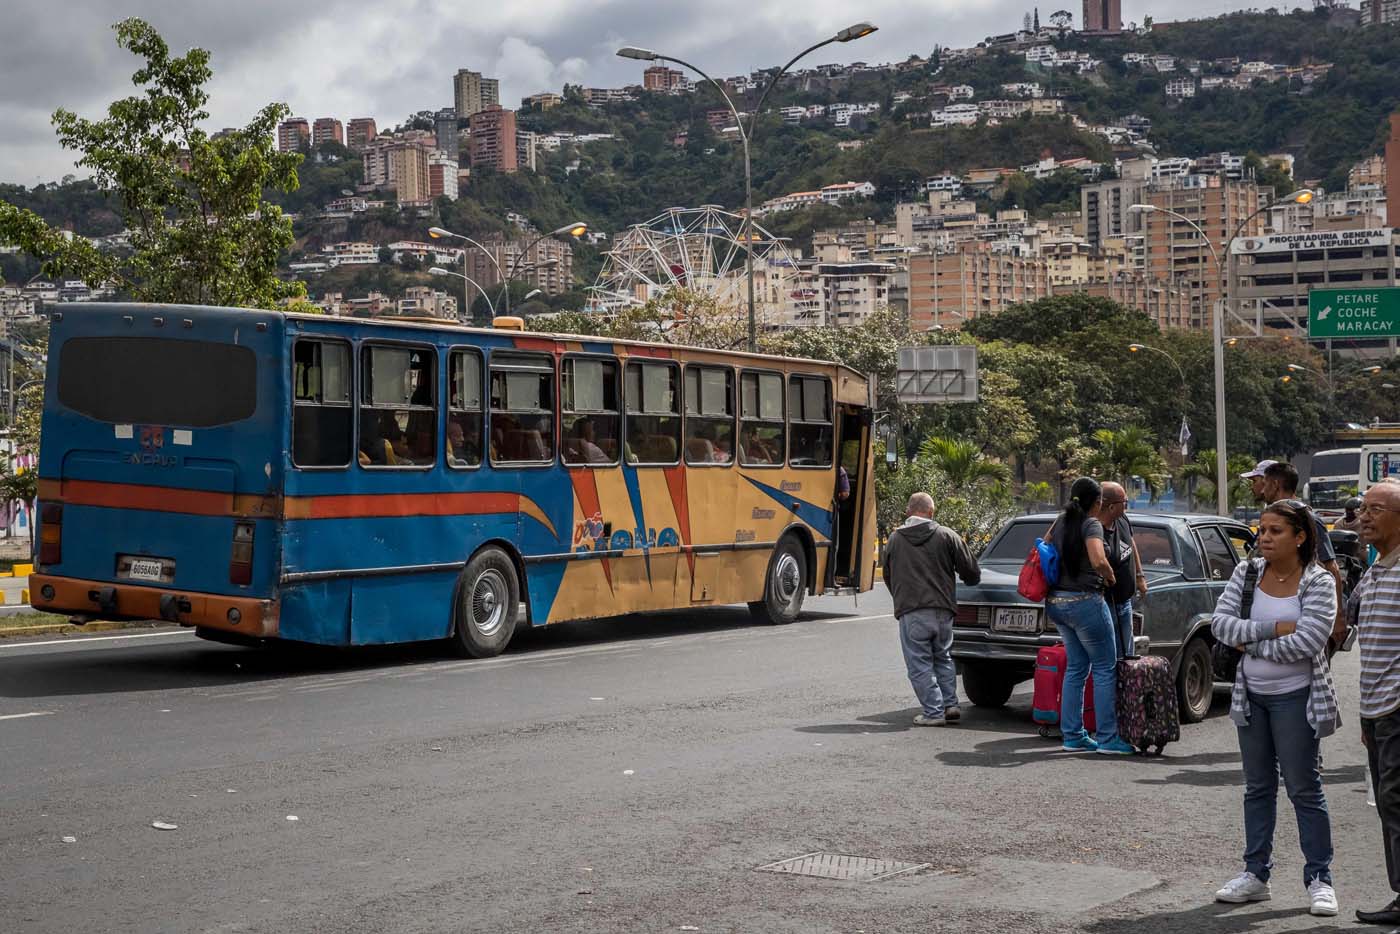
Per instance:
{"type": "Point", "coordinates": [1354, 313]}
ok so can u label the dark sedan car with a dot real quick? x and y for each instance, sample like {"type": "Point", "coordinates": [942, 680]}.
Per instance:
{"type": "Point", "coordinates": [1188, 560]}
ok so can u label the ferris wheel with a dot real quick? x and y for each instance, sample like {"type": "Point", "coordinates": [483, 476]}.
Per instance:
{"type": "Point", "coordinates": [696, 248]}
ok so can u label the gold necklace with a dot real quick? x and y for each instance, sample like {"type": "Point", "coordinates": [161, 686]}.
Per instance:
{"type": "Point", "coordinates": [1284, 578]}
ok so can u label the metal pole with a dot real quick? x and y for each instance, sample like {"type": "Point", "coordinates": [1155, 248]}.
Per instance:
{"type": "Point", "coordinates": [1222, 469]}
{"type": "Point", "coordinates": [748, 239]}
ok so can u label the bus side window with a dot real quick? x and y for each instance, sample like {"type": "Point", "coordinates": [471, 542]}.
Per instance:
{"type": "Point", "coordinates": [591, 421]}
{"type": "Point", "coordinates": [809, 414]}
{"type": "Point", "coordinates": [709, 415]}
{"type": "Point", "coordinates": [653, 413]}
{"type": "Point", "coordinates": [762, 431]}
{"type": "Point", "coordinates": [323, 421]}
{"type": "Point", "coordinates": [466, 422]}
{"type": "Point", "coordinates": [398, 415]}
{"type": "Point", "coordinates": [522, 409]}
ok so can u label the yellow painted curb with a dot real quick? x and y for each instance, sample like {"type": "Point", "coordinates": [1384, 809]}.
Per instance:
{"type": "Point", "coordinates": [23, 570]}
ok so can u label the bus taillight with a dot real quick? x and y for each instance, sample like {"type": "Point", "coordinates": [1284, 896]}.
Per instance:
{"type": "Point", "coordinates": [240, 565]}
{"type": "Point", "coordinates": [51, 534]}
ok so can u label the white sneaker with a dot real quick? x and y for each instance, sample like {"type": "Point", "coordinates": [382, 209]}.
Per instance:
{"type": "Point", "coordinates": [1245, 887]}
{"type": "Point", "coordinates": [1324, 898]}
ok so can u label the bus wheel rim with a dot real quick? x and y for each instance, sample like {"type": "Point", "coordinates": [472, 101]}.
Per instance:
{"type": "Point", "coordinates": [787, 578]}
{"type": "Point", "coordinates": [487, 603]}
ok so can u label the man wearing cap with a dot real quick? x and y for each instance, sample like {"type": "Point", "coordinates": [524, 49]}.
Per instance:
{"type": "Point", "coordinates": [1272, 481]}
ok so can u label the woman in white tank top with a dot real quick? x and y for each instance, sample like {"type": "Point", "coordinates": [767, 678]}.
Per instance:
{"type": "Point", "coordinates": [1278, 611]}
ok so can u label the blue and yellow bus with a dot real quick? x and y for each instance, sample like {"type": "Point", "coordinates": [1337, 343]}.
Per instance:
{"type": "Point", "coordinates": [339, 481]}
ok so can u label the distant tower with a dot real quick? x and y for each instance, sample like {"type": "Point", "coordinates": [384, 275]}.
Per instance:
{"type": "Point", "coordinates": [1037, 19]}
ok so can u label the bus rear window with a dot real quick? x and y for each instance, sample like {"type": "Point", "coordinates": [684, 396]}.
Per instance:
{"type": "Point", "coordinates": [155, 381]}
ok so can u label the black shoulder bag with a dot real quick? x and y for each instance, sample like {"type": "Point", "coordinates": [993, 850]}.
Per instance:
{"type": "Point", "coordinates": [1225, 659]}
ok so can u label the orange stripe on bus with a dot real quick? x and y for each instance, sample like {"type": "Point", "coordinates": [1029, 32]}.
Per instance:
{"type": "Point", "coordinates": [154, 498]}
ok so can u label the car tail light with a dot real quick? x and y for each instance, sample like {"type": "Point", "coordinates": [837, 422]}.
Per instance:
{"type": "Point", "coordinates": [965, 616]}
{"type": "Point", "coordinates": [240, 564]}
{"type": "Point", "coordinates": [51, 533]}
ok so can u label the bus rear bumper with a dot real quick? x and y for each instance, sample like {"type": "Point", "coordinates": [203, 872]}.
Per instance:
{"type": "Point", "coordinates": [105, 600]}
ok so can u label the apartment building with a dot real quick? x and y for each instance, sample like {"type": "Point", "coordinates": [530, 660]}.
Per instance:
{"type": "Point", "coordinates": [545, 101]}
{"type": "Point", "coordinates": [548, 266]}
{"type": "Point", "coordinates": [350, 254]}
{"type": "Point", "coordinates": [442, 175]}
{"type": "Point", "coordinates": [360, 133]}
{"type": "Point", "coordinates": [1103, 16]}
{"type": "Point", "coordinates": [471, 93]}
{"type": "Point", "coordinates": [946, 289]}
{"type": "Point", "coordinates": [327, 130]}
{"type": "Point", "coordinates": [493, 142]}
{"type": "Point", "coordinates": [446, 132]}
{"type": "Point", "coordinates": [400, 165]}
{"type": "Point", "coordinates": [661, 78]}
{"type": "Point", "coordinates": [1175, 252]}
{"type": "Point", "coordinates": [526, 150]}
{"type": "Point", "coordinates": [293, 134]}
{"type": "Point", "coordinates": [420, 301]}
{"type": "Point", "coordinates": [1169, 305]}
{"type": "Point", "coordinates": [1104, 205]}
{"type": "Point", "coordinates": [1380, 12]}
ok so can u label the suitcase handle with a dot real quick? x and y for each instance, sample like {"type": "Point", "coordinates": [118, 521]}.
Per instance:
{"type": "Point", "coordinates": [1127, 650]}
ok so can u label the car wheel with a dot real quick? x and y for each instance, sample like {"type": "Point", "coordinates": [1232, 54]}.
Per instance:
{"type": "Point", "coordinates": [488, 602]}
{"type": "Point", "coordinates": [1195, 681]}
{"type": "Point", "coordinates": [987, 685]}
{"type": "Point", "coordinates": [785, 585]}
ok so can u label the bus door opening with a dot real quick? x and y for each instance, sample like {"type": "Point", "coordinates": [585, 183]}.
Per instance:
{"type": "Point", "coordinates": [852, 440]}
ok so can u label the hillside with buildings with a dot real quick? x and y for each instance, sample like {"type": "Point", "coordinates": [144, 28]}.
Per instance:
{"type": "Point", "coordinates": [948, 184]}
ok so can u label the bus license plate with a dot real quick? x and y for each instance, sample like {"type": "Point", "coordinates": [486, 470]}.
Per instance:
{"type": "Point", "coordinates": [146, 569]}
{"type": "Point", "coordinates": [1017, 620]}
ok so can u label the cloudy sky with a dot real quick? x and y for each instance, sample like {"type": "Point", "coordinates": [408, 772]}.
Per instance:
{"type": "Point", "coordinates": [350, 58]}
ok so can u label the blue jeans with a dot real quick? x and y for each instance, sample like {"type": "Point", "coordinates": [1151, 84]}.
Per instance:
{"type": "Point", "coordinates": [1279, 739]}
{"type": "Point", "coordinates": [1122, 614]}
{"type": "Point", "coordinates": [927, 639]}
{"type": "Point", "coordinates": [1086, 627]}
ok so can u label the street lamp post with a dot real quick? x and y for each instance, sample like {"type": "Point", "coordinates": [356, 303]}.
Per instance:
{"type": "Point", "coordinates": [849, 34]}
{"type": "Point", "coordinates": [1222, 478]}
{"type": "Point", "coordinates": [576, 229]}
{"type": "Point", "coordinates": [1138, 348]}
{"type": "Point", "coordinates": [466, 295]}
{"type": "Point", "coordinates": [1330, 379]}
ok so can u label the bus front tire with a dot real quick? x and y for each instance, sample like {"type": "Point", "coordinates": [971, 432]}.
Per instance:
{"type": "Point", "coordinates": [785, 585]}
{"type": "Point", "coordinates": [488, 602]}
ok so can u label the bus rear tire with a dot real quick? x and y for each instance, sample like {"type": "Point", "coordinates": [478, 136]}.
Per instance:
{"type": "Point", "coordinates": [488, 602]}
{"type": "Point", "coordinates": [785, 585]}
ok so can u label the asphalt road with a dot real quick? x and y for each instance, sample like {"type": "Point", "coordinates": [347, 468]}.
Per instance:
{"type": "Point", "coordinates": [629, 775]}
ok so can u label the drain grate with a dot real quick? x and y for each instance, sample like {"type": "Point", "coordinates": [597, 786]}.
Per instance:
{"type": "Point", "coordinates": [836, 866]}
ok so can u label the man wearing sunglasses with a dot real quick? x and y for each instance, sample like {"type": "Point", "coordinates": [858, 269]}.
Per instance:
{"type": "Point", "coordinates": [1376, 604]}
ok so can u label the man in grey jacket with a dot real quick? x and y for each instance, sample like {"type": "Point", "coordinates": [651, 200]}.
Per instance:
{"type": "Point", "coordinates": [920, 561]}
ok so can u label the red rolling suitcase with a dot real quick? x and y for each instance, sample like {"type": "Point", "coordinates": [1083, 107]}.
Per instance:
{"type": "Point", "coordinates": [1049, 686]}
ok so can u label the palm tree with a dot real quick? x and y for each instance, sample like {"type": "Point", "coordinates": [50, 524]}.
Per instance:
{"type": "Point", "coordinates": [962, 463]}
{"type": "Point", "coordinates": [1128, 453]}
{"type": "Point", "coordinates": [1198, 474]}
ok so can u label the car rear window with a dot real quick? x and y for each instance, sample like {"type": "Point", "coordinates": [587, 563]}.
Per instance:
{"type": "Point", "coordinates": [1015, 543]}
{"type": "Point", "coordinates": [1154, 544]}
{"type": "Point", "coordinates": [156, 381]}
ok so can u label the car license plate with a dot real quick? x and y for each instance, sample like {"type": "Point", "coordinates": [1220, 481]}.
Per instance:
{"type": "Point", "coordinates": [1017, 620]}
{"type": "Point", "coordinates": [156, 570]}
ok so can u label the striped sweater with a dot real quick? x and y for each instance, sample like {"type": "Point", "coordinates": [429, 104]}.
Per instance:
{"type": "Point", "coordinates": [1317, 592]}
{"type": "Point", "coordinates": [1376, 605]}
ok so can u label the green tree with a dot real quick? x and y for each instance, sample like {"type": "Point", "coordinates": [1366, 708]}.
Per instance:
{"type": "Point", "coordinates": [1125, 454]}
{"type": "Point", "coordinates": [200, 229]}
{"type": "Point", "coordinates": [962, 464]}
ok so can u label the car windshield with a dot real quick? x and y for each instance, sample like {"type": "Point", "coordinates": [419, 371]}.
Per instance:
{"type": "Point", "coordinates": [1154, 544]}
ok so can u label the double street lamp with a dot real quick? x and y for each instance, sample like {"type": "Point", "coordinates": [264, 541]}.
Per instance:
{"type": "Point", "coordinates": [849, 34]}
{"type": "Point", "coordinates": [576, 229]}
{"type": "Point", "coordinates": [466, 294]}
{"type": "Point", "coordinates": [1301, 196]}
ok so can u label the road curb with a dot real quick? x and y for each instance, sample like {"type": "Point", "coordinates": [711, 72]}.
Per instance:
{"type": "Point", "coordinates": [65, 629]}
